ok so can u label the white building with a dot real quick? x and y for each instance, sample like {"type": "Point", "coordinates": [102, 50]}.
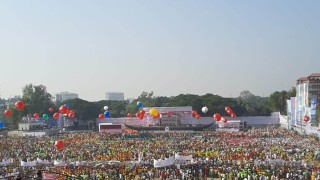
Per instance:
{"type": "Point", "coordinates": [59, 97]}
{"type": "Point", "coordinates": [115, 96]}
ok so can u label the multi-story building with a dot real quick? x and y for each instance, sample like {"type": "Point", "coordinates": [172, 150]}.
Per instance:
{"type": "Point", "coordinates": [313, 86]}
{"type": "Point", "coordinates": [115, 96]}
{"type": "Point", "coordinates": [59, 97]}
{"type": "Point", "coordinates": [307, 98]}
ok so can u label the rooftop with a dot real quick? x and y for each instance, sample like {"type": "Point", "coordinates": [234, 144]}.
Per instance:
{"type": "Point", "coordinates": [302, 79]}
{"type": "Point", "coordinates": [314, 75]}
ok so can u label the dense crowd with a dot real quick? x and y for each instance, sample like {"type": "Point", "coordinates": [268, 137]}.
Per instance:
{"type": "Point", "coordinates": [260, 154]}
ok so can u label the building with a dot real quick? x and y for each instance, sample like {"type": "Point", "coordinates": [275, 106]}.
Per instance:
{"type": "Point", "coordinates": [305, 102]}
{"type": "Point", "coordinates": [313, 86]}
{"type": "Point", "coordinates": [59, 97]}
{"type": "Point", "coordinates": [115, 96]}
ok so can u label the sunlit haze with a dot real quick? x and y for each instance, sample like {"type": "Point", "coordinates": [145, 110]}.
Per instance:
{"type": "Point", "coordinates": [169, 47]}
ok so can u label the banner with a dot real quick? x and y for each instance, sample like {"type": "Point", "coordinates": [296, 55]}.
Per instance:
{"type": "Point", "coordinates": [289, 114]}
{"type": "Point", "coordinates": [313, 113]}
{"type": "Point", "coordinates": [49, 176]}
{"type": "Point", "coordinates": [28, 164]}
{"type": "Point", "coordinates": [46, 162]}
{"type": "Point", "coordinates": [58, 163]}
{"type": "Point", "coordinates": [183, 158]}
{"type": "Point", "coordinates": [6, 162]}
{"type": "Point", "coordinates": [293, 111]}
{"type": "Point", "coordinates": [162, 163]}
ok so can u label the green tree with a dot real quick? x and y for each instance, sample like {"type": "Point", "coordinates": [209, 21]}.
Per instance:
{"type": "Point", "coordinates": [36, 100]}
{"type": "Point", "coordinates": [278, 99]}
{"type": "Point", "coordinates": [84, 110]}
{"type": "Point", "coordinates": [147, 99]}
{"type": "Point", "coordinates": [116, 108]}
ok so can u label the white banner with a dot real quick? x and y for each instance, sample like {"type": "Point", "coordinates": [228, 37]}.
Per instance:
{"type": "Point", "coordinates": [6, 162]}
{"type": "Point", "coordinates": [58, 163]}
{"type": "Point", "coordinates": [183, 158]}
{"type": "Point", "coordinates": [29, 163]}
{"type": "Point", "coordinates": [40, 161]}
{"type": "Point", "coordinates": [162, 163]}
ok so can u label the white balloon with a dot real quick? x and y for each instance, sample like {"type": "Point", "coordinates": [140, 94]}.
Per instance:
{"type": "Point", "coordinates": [160, 115]}
{"type": "Point", "coordinates": [204, 109]}
{"type": "Point", "coordinates": [105, 107]}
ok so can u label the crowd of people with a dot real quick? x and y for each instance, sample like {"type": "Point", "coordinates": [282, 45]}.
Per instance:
{"type": "Point", "coordinates": [262, 154]}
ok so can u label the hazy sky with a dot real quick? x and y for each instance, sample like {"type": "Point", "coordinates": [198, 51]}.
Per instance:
{"type": "Point", "coordinates": [166, 46]}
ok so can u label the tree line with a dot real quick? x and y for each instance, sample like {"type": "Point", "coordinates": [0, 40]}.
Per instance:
{"type": "Point", "coordinates": [38, 100]}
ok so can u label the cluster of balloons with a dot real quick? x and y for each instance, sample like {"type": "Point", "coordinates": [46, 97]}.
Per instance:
{"type": "Point", "coordinates": [64, 109]}
{"type": "Point", "coordinates": [195, 114]}
{"type": "Point", "coordinates": [154, 113]}
{"type": "Point", "coordinates": [106, 113]}
{"type": "Point", "coordinates": [230, 112]}
{"type": "Point", "coordinates": [19, 105]}
{"type": "Point", "coordinates": [140, 114]}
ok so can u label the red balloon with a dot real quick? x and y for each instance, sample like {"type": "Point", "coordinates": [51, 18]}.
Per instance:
{"type": "Point", "coordinates": [56, 115]}
{"type": "Point", "coordinates": [59, 144]}
{"type": "Point", "coordinates": [7, 113]}
{"type": "Point", "coordinates": [137, 114]}
{"type": "Point", "coordinates": [101, 116]}
{"type": "Point", "coordinates": [71, 115]}
{"type": "Point", "coordinates": [198, 116]}
{"type": "Point", "coordinates": [306, 118]}
{"type": "Point", "coordinates": [227, 107]}
{"type": "Point", "coordinates": [141, 116]}
{"type": "Point", "coordinates": [194, 113]}
{"type": "Point", "coordinates": [217, 117]}
{"type": "Point", "coordinates": [233, 115]}
{"type": "Point", "coordinates": [225, 120]}
{"type": "Point", "coordinates": [129, 115]}
{"type": "Point", "coordinates": [142, 112]}
{"type": "Point", "coordinates": [19, 105]}
{"type": "Point", "coordinates": [50, 109]}
{"type": "Point", "coordinates": [63, 109]}
{"type": "Point", "coordinates": [229, 111]}
{"type": "Point", "coordinates": [36, 115]}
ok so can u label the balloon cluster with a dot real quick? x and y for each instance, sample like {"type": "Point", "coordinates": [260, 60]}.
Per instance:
{"type": "Point", "coordinates": [140, 114]}
{"type": "Point", "coordinates": [18, 105]}
{"type": "Point", "coordinates": [64, 109]}
{"type": "Point", "coordinates": [195, 114]}
{"type": "Point", "coordinates": [229, 111]}
{"type": "Point", "coordinates": [154, 113]}
{"type": "Point", "coordinates": [106, 113]}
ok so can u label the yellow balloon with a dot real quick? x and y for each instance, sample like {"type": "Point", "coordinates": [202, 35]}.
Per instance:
{"type": "Point", "coordinates": [153, 111]}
